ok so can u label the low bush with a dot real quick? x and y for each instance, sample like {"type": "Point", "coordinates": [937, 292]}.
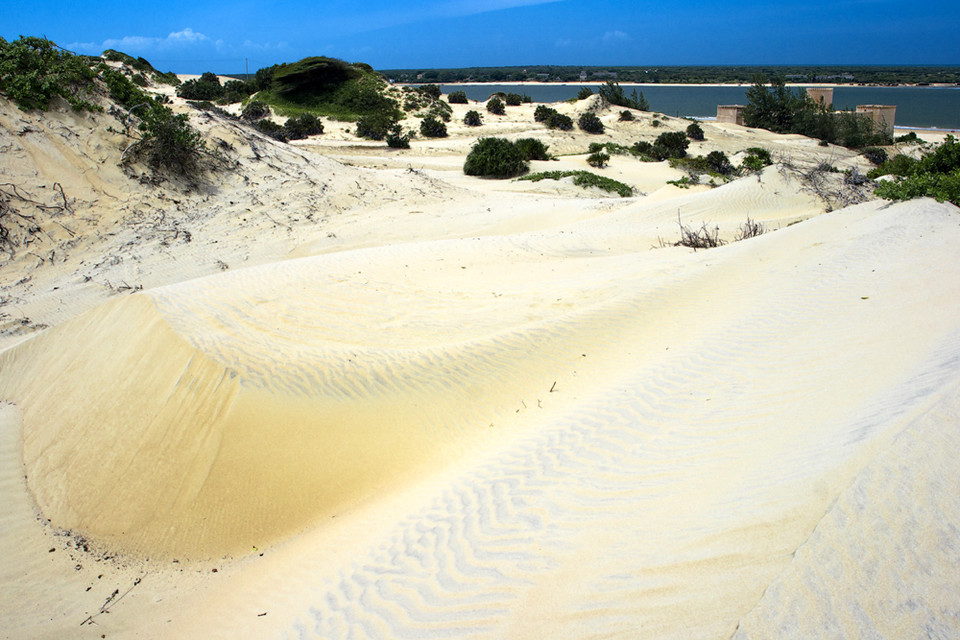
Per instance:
{"type": "Point", "coordinates": [473, 118]}
{"type": "Point", "coordinates": [302, 126]}
{"type": "Point", "coordinates": [671, 144]}
{"type": "Point", "coordinates": [168, 140]}
{"type": "Point", "coordinates": [719, 163]}
{"type": "Point", "coordinates": [542, 113]}
{"type": "Point", "coordinates": [584, 179]}
{"type": "Point", "coordinates": [695, 131]}
{"type": "Point", "coordinates": [584, 93]}
{"type": "Point", "coordinates": [875, 155]}
{"type": "Point", "coordinates": [457, 97]}
{"type": "Point", "coordinates": [254, 110]}
{"type": "Point", "coordinates": [396, 139]}
{"type": "Point", "coordinates": [532, 149]}
{"type": "Point", "coordinates": [590, 123]}
{"type": "Point", "coordinates": [936, 175]}
{"type": "Point", "coordinates": [206, 87]}
{"type": "Point", "coordinates": [377, 125]}
{"type": "Point", "coordinates": [495, 158]}
{"type": "Point", "coordinates": [495, 106]}
{"type": "Point", "coordinates": [272, 129]}
{"type": "Point", "coordinates": [908, 138]}
{"type": "Point", "coordinates": [598, 159]}
{"type": "Point", "coordinates": [626, 116]}
{"type": "Point", "coordinates": [560, 121]}
{"type": "Point", "coordinates": [430, 127]}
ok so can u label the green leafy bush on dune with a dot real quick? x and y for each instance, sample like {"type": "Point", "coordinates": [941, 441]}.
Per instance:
{"type": "Point", "coordinates": [495, 158]}
{"type": "Point", "coordinates": [584, 179]}
{"type": "Point", "coordinates": [935, 175]}
{"type": "Point", "coordinates": [35, 71]}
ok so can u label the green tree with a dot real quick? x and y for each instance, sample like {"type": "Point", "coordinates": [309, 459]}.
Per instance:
{"type": "Point", "coordinates": [614, 94]}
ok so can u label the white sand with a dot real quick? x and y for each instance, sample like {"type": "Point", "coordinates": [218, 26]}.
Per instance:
{"type": "Point", "coordinates": [429, 405]}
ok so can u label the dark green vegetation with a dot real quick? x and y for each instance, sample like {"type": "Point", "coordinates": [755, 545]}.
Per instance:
{"type": "Point", "coordinates": [495, 106]}
{"type": "Point", "coordinates": [34, 71]}
{"type": "Point", "coordinates": [328, 87]}
{"type": "Point", "coordinates": [590, 123]}
{"type": "Point", "coordinates": [473, 118]}
{"type": "Point", "coordinates": [598, 159]}
{"type": "Point", "coordinates": [396, 139]}
{"type": "Point", "coordinates": [695, 131]}
{"type": "Point", "coordinates": [780, 109]}
{"type": "Point", "coordinates": [431, 127]}
{"type": "Point", "coordinates": [935, 175]}
{"type": "Point", "coordinates": [584, 179]}
{"type": "Point", "coordinates": [552, 118]}
{"type": "Point", "coordinates": [584, 93]}
{"type": "Point", "coordinates": [885, 75]}
{"type": "Point", "coordinates": [495, 158]}
{"type": "Point", "coordinates": [626, 116]}
{"type": "Point", "coordinates": [613, 93]}
{"type": "Point", "coordinates": [143, 66]}
{"type": "Point", "coordinates": [756, 159]}
{"type": "Point", "coordinates": [532, 149]}
{"type": "Point", "coordinates": [457, 97]}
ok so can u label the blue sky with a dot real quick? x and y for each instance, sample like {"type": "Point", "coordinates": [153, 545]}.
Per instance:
{"type": "Point", "coordinates": [190, 36]}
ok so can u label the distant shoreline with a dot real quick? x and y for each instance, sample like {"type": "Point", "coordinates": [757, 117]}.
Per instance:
{"type": "Point", "coordinates": [524, 83]}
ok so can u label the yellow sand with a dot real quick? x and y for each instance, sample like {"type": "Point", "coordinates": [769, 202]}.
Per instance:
{"type": "Point", "coordinates": [436, 406]}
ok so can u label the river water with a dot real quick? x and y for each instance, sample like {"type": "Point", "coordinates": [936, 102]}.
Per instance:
{"type": "Point", "coordinates": [921, 107]}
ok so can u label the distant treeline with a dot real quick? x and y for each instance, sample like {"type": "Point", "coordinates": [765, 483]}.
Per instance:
{"type": "Point", "coordinates": [870, 75]}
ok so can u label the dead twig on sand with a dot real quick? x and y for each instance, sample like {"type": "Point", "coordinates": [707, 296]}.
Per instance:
{"type": "Point", "coordinates": [111, 601]}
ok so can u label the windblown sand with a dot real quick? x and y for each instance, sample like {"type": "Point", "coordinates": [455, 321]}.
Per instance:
{"type": "Point", "coordinates": [339, 391]}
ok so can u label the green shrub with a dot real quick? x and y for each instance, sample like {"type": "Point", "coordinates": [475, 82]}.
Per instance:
{"type": "Point", "coordinates": [302, 126]}
{"type": "Point", "coordinates": [396, 139]}
{"type": "Point", "coordinates": [584, 179]}
{"type": "Point", "coordinates": [613, 93]}
{"type": "Point", "coordinates": [473, 118]}
{"type": "Point", "coordinates": [626, 116]}
{"type": "Point", "coordinates": [206, 87]}
{"type": "Point", "coordinates": [756, 159]}
{"type": "Point", "coordinates": [560, 121]}
{"type": "Point", "coordinates": [495, 106]}
{"type": "Point", "coordinates": [34, 71]}
{"type": "Point", "coordinates": [718, 162]}
{"type": "Point", "coordinates": [590, 123]}
{"type": "Point", "coordinates": [532, 149]}
{"type": "Point", "coordinates": [936, 175]}
{"type": "Point", "coordinates": [876, 155]}
{"type": "Point", "coordinates": [584, 93]}
{"type": "Point", "coordinates": [168, 140]}
{"type": "Point", "coordinates": [457, 97]}
{"type": "Point", "coordinates": [598, 159]}
{"type": "Point", "coordinates": [122, 90]}
{"type": "Point", "coordinates": [513, 99]}
{"type": "Point", "coordinates": [542, 113]}
{"type": "Point", "coordinates": [377, 125]}
{"type": "Point", "coordinates": [671, 144]}
{"type": "Point", "coordinates": [495, 158]}
{"type": "Point", "coordinates": [908, 138]}
{"type": "Point", "coordinates": [255, 110]}
{"type": "Point", "coordinates": [272, 129]}
{"type": "Point", "coordinates": [433, 128]}
{"type": "Point", "coordinates": [430, 90]}
{"type": "Point", "coordinates": [695, 131]}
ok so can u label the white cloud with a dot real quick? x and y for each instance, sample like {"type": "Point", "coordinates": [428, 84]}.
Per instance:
{"type": "Point", "coordinates": [615, 36]}
{"type": "Point", "coordinates": [187, 35]}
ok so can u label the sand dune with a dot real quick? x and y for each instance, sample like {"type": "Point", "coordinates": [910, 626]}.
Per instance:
{"type": "Point", "coordinates": [432, 406]}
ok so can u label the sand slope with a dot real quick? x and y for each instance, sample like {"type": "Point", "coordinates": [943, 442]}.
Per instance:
{"type": "Point", "coordinates": [439, 407]}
